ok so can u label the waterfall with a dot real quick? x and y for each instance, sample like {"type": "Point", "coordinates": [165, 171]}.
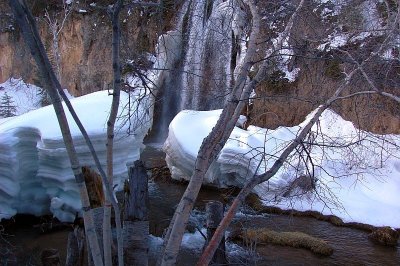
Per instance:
{"type": "Point", "coordinates": [210, 52]}
{"type": "Point", "coordinates": [197, 60]}
{"type": "Point", "coordinates": [166, 86]}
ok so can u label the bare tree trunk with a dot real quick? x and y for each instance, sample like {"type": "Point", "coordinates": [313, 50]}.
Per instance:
{"type": "Point", "coordinates": [210, 149]}
{"type": "Point", "coordinates": [28, 27]}
{"type": "Point", "coordinates": [98, 214]}
{"type": "Point", "coordinates": [110, 139]}
{"type": "Point", "coordinates": [136, 223]}
{"type": "Point", "coordinates": [214, 142]}
{"type": "Point", "coordinates": [75, 248]}
{"type": "Point", "coordinates": [215, 213]}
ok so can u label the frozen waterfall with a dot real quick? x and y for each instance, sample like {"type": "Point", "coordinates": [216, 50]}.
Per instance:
{"type": "Point", "coordinates": [211, 52]}
{"type": "Point", "coordinates": [198, 59]}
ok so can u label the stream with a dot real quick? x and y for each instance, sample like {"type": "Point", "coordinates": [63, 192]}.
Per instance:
{"type": "Point", "coordinates": [351, 246]}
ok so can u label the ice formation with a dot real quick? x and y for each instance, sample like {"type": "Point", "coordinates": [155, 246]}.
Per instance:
{"type": "Point", "coordinates": [35, 173]}
{"type": "Point", "coordinates": [212, 28]}
{"type": "Point", "coordinates": [358, 183]}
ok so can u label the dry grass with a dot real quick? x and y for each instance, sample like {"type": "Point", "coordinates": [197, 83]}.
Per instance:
{"type": "Point", "coordinates": [254, 202]}
{"type": "Point", "coordinates": [292, 239]}
{"type": "Point", "coordinates": [385, 236]}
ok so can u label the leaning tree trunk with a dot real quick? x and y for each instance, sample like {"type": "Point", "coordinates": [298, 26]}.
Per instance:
{"type": "Point", "coordinates": [257, 179]}
{"type": "Point", "coordinates": [215, 141]}
{"type": "Point", "coordinates": [28, 27]}
{"type": "Point", "coordinates": [210, 250]}
{"type": "Point", "coordinates": [210, 149]}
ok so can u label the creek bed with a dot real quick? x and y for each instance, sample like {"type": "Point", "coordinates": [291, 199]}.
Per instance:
{"type": "Point", "coordinates": [351, 246]}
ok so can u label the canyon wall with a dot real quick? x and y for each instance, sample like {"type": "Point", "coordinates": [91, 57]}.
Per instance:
{"type": "Point", "coordinates": [84, 45]}
{"type": "Point", "coordinates": [212, 46]}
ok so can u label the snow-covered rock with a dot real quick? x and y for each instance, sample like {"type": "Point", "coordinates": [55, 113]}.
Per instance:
{"type": "Point", "coordinates": [360, 182]}
{"type": "Point", "coordinates": [35, 173]}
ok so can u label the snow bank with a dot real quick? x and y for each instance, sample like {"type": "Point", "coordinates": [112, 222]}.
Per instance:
{"type": "Point", "coordinates": [358, 183]}
{"type": "Point", "coordinates": [35, 173]}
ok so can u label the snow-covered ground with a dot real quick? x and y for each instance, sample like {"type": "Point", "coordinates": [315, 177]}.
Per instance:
{"type": "Point", "coordinates": [24, 96]}
{"type": "Point", "coordinates": [35, 174]}
{"type": "Point", "coordinates": [360, 182]}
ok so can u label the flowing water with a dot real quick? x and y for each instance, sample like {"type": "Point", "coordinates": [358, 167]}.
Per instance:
{"type": "Point", "coordinates": [351, 246]}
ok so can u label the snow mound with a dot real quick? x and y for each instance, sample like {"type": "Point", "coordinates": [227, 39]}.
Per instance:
{"type": "Point", "coordinates": [35, 173]}
{"type": "Point", "coordinates": [358, 182]}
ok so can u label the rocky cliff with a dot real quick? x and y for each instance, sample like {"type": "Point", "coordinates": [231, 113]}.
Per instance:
{"type": "Point", "coordinates": [212, 47]}
{"type": "Point", "coordinates": [318, 36]}
{"type": "Point", "coordinates": [84, 43]}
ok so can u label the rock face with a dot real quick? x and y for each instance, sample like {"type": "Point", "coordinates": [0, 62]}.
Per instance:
{"type": "Point", "coordinates": [285, 100]}
{"type": "Point", "coordinates": [84, 44]}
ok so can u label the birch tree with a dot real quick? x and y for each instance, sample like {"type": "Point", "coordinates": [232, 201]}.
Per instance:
{"type": "Point", "coordinates": [116, 38]}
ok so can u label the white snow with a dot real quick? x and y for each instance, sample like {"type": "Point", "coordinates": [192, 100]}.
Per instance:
{"type": "Point", "coordinates": [25, 96]}
{"type": "Point", "coordinates": [357, 183]}
{"type": "Point", "coordinates": [35, 173]}
{"type": "Point", "coordinates": [285, 54]}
